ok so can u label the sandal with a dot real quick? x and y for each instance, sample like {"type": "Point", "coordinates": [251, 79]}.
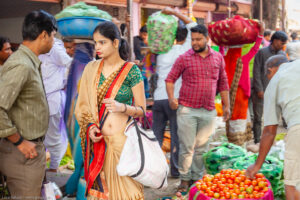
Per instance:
{"type": "Point", "coordinates": [183, 187]}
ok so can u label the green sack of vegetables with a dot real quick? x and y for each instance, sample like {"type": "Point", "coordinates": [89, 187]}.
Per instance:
{"type": "Point", "coordinates": [81, 9]}
{"type": "Point", "coordinates": [161, 32]}
{"type": "Point", "coordinates": [222, 157]}
{"type": "Point", "coordinates": [272, 168]}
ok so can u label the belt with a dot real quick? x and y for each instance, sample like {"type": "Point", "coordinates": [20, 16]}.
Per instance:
{"type": "Point", "coordinates": [40, 139]}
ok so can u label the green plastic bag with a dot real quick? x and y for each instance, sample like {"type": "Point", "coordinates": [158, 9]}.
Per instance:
{"type": "Point", "coordinates": [161, 32]}
{"type": "Point", "coordinates": [80, 9]}
{"type": "Point", "coordinates": [222, 157]}
{"type": "Point", "coordinates": [272, 168]}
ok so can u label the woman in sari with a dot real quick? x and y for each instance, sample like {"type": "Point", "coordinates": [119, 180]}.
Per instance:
{"type": "Point", "coordinates": [103, 108]}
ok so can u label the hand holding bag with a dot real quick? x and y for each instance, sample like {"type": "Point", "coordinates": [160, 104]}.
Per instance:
{"type": "Point", "coordinates": [142, 158]}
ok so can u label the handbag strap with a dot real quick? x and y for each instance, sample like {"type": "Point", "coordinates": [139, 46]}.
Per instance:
{"type": "Point", "coordinates": [142, 153]}
{"type": "Point", "coordinates": [145, 118]}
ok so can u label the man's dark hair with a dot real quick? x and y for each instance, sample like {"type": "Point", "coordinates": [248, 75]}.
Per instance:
{"type": "Point", "coordinates": [143, 29]}
{"type": "Point", "coordinates": [275, 61]}
{"type": "Point", "coordinates": [36, 22]}
{"type": "Point", "coordinates": [279, 35]}
{"type": "Point", "coordinates": [294, 35]}
{"type": "Point", "coordinates": [68, 40]}
{"type": "Point", "coordinates": [267, 33]}
{"type": "Point", "coordinates": [181, 33]}
{"type": "Point", "coordinates": [200, 28]}
{"type": "Point", "coordinates": [2, 41]}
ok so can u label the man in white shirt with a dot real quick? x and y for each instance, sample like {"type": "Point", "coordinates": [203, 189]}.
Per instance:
{"type": "Point", "coordinates": [161, 109]}
{"type": "Point", "coordinates": [54, 67]}
{"type": "Point", "coordinates": [282, 98]}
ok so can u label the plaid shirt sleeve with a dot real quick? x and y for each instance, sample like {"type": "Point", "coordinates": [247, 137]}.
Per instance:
{"type": "Point", "coordinates": [223, 81]}
{"type": "Point", "coordinates": [176, 70]}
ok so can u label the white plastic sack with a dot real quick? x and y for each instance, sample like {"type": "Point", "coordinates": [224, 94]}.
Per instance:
{"type": "Point", "coordinates": [48, 191]}
{"type": "Point", "coordinates": [155, 171]}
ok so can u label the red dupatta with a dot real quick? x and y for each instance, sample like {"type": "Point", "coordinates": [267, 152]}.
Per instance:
{"type": "Point", "coordinates": [93, 169]}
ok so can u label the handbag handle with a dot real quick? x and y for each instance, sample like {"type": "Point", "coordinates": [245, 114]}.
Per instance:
{"type": "Point", "coordinates": [145, 118]}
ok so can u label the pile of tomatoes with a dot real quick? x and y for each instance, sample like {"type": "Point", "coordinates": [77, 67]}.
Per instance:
{"type": "Point", "coordinates": [233, 184]}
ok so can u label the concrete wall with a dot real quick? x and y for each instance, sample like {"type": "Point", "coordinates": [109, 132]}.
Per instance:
{"type": "Point", "coordinates": [13, 13]}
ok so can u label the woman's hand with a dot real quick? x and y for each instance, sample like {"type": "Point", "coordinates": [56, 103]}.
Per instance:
{"type": "Point", "coordinates": [93, 134]}
{"type": "Point", "coordinates": [113, 106]}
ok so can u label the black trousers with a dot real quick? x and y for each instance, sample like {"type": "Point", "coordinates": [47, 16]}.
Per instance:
{"type": "Point", "coordinates": [161, 114]}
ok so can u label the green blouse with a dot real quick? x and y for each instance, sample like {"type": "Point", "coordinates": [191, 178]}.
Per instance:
{"type": "Point", "coordinates": [124, 94]}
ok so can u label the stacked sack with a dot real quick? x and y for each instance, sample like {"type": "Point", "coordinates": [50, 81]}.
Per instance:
{"type": "Point", "coordinates": [233, 31]}
{"type": "Point", "coordinates": [80, 9]}
{"type": "Point", "coordinates": [161, 32]}
{"type": "Point", "coordinates": [222, 157]}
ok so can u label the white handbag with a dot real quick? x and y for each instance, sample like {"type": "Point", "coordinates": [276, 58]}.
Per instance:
{"type": "Point", "coordinates": [142, 157]}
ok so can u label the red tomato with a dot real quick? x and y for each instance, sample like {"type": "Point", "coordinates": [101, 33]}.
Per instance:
{"type": "Point", "coordinates": [234, 196]}
{"type": "Point", "coordinates": [223, 180]}
{"type": "Point", "coordinates": [238, 180]}
{"type": "Point", "coordinates": [248, 182]}
{"type": "Point", "coordinates": [232, 176]}
{"type": "Point", "coordinates": [211, 194]}
{"type": "Point", "coordinates": [256, 188]}
{"type": "Point", "coordinates": [213, 188]}
{"type": "Point", "coordinates": [222, 194]}
{"type": "Point", "coordinates": [227, 176]}
{"type": "Point", "coordinates": [265, 189]}
{"type": "Point", "coordinates": [262, 184]}
{"type": "Point", "coordinates": [227, 195]}
{"type": "Point", "coordinates": [261, 194]}
{"type": "Point", "coordinates": [249, 190]}
{"type": "Point", "coordinates": [222, 186]}
{"type": "Point", "coordinates": [218, 176]}
{"type": "Point", "coordinates": [229, 181]}
{"type": "Point", "coordinates": [242, 189]}
{"type": "Point", "coordinates": [204, 187]}
{"type": "Point", "coordinates": [216, 195]}
{"type": "Point", "coordinates": [215, 181]}
{"type": "Point", "coordinates": [209, 184]}
{"type": "Point", "coordinates": [259, 175]}
{"type": "Point", "coordinates": [223, 171]}
{"type": "Point", "coordinates": [237, 191]}
{"type": "Point", "coordinates": [230, 186]}
{"type": "Point", "coordinates": [237, 172]}
{"type": "Point", "coordinates": [254, 182]}
{"type": "Point", "coordinates": [243, 177]}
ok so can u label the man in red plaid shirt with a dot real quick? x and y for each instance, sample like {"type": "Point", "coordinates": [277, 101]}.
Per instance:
{"type": "Point", "coordinates": [203, 75]}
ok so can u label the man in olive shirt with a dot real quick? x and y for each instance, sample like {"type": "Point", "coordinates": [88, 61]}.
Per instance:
{"type": "Point", "coordinates": [24, 111]}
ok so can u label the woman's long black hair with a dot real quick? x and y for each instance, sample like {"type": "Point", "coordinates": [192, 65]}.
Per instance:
{"type": "Point", "coordinates": [111, 31]}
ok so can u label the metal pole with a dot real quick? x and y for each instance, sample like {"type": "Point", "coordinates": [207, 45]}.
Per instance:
{"type": "Point", "coordinates": [283, 15]}
{"type": "Point", "coordinates": [260, 10]}
{"type": "Point", "coordinates": [130, 28]}
{"type": "Point", "coordinates": [229, 8]}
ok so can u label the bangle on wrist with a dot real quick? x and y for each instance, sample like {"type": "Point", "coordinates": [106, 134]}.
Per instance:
{"type": "Point", "coordinates": [125, 108]}
{"type": "Point", "coordinates": [19, 141]}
